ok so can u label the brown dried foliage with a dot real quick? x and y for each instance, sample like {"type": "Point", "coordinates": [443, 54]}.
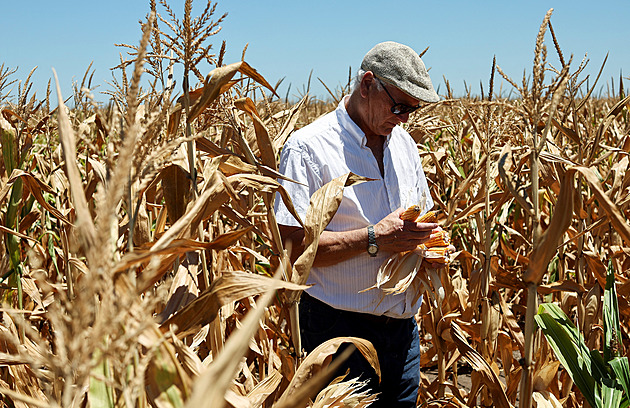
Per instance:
{"type": "Point", "coordinates": [110, 306]}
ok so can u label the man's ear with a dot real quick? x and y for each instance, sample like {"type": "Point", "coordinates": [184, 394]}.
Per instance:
{"type": "Point", "coordinates": [366, 82]}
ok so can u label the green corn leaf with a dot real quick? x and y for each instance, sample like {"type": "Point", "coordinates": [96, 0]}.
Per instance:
{"type": "Point", "coordinates": [165, 382]}
{"type": "Point", "coordinates": [100, 393]}
{"type": "Point", "coordinates": [561, 318]}
{"type": "Point", "coordinates": [11, 220]}
{"type": "Point", "coordinates": [612, 330]}
{"type": "Point", "coordinates": [569, 348]}
{"type": "Point", "coordinates": [611, 396]}
{"type": "Point", "coordinates": [10, 157]}
{"type": "Point", "coordinates": [599, 370]}
{"type": "Point", "coordinates": [621, 368]}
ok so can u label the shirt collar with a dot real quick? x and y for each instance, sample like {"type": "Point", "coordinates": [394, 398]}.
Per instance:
{"type": "Point", "coordinates": [350, 127]}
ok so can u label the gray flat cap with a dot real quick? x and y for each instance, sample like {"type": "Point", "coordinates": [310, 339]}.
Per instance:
{"type": "Point", "coordinates": [400, 66]}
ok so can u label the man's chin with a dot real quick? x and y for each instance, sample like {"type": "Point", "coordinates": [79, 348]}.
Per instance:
{"type": "Point", "coordinates": [388, 129]}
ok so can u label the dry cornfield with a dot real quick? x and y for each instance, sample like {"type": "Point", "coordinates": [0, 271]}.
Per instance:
{"type": "Point", "coordinates": [142, 264]}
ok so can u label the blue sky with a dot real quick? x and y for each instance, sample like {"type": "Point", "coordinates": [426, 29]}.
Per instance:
{"type": "Point", "coordinates": [288, 39]}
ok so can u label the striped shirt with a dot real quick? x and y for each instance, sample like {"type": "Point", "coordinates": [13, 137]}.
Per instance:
{"type": "Point", "coordinates": [326, 149]}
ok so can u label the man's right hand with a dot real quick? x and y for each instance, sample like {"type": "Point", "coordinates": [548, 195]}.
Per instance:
{"type": "Point", "coordinates": [396, 235]}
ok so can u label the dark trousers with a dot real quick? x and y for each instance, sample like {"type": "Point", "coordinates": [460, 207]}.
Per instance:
{"type": "Point", "coordinates": [396, 341]}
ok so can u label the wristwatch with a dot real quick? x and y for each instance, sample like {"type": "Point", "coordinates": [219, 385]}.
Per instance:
{"type": "Point", "coordinates": [372, 248]}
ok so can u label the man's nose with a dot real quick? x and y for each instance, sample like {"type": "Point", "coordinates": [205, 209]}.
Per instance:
{"type": "Point", "coordinates": [404, 117]}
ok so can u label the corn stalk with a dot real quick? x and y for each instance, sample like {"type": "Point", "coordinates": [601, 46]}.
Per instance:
{"type": "Point", "coordinates": [13, 160]}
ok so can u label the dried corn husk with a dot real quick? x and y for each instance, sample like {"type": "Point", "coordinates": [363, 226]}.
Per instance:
{"type": "Point", "coordinates": [403, 271]}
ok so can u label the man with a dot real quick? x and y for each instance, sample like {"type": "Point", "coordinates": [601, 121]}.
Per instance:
{"type": "Point", "coordinates": [362, 136]}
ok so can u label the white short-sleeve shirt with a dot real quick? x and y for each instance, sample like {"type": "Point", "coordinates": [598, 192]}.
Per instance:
{"type": "Point", "coordinates": [329, 148]}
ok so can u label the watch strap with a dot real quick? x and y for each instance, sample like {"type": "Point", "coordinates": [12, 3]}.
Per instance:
{"type": "Point", "coordinates": [372, 247]}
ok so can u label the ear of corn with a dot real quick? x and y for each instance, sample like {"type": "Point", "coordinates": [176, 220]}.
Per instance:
{"type": "Point", "coordinates": [430, 216]}
{"type": "Point", "coordinates": [437, 239]}
{"type": "Point", "coordinates": [404, 270]}
{"type": "Point", "coordinates": [411, 213]}
{"type": "Point", "coordinates": [437, 255]}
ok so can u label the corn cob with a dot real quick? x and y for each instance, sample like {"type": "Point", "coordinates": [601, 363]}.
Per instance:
{"type": "Point", "coordinates": [437, 255]}
{"type": "Point", "coordinates": [437, 239]}
{"type": "Point", "coordinates": [430, 216]}
{"type": "Point", "coordinates": [411, 213]}
{"type": "Point", "coordinates": [403, 270]}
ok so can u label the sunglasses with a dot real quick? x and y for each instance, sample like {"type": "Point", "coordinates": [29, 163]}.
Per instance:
{"type": "Point", "coordinates": [398, 108]}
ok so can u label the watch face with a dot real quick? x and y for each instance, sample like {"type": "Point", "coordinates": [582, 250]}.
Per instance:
{"type": "Point", "coordinates": [372, 249]}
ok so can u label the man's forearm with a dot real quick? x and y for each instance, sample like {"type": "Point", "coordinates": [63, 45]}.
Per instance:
{"type": "Point", "coordinates": [392, 235]}
{"type": "Point", "coordinates": [333, 246]}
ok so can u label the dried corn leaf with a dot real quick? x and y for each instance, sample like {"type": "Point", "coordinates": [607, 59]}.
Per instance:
{"type": "Point", "coordinates": [187, 358]}
{"type": "Point", "coordinates": [610, 208]}
{"type": "Point", "coordinates": [23, 401]}
{"type": "Point", "coordinates": [491, 320]}
{"type": "Point", "coordinates": [344, 394]}
{"type": "Point", "coordinates": [142, 227]}
{"type": "Point", "coordinates": [214, 150]}
{"type": "Point", "coordinates": [229, 287]}
{"type": "Point", "coordinates": [511, 253]}
{"type": "Point", "coordinates": [509, 181]}
{"type": "Point", "coordinates": [619, 171]}
{"type": "Point", "coordinates": [84, 221]}
{"type": "Point", "coordinates": [176, 188]}
{"type": "Point", "coordinates": [26, 385]}
{"type": "Point", "coordinates": [179, 246]}
{"type": "Point", "coordinates": [545, 399]}
{"type": "Point", "coordinates": [17, 234]}
{"type": "Point", "coordinates": [289, 124]}
{"type": "Point", "coordinates": [546, 246]}
{"type": "Point", "coordinates": [592, 304]}
{"type": "Point", "coordinates": [479, 364]}
{"type": "Point", "coordinates": [184, 288]}
{"type": "Point", "coordinates": [236, 400]}
{"type": "Point", "coordinates": [565, 130]}
{"type": "Point", "coordinates": [231, 165]}
{"type": "Point", "coordinates": [265, 388]}
{"type": "Point", "coordinates": [561, 286]}
{"type": "Point", "coordinates": [545, 375]}
{"type": "Point", "coordinates": [317, 360]}
{"type": "Point", "coordinates": [208, 203]}
{"type": "Point", "coordinates": [265, 146]}
{"type": "Point", "coordinates": [211, 386]}
{"type": "Point", "coordinates": [36, 187]}
{"type": "Point", "coordinates": [397, 272]}
{"type": "Point", "coordinates": [211, 199]}
{"type": "Point", "coordinates": [218, 81]}
{"type": "Point", "coordinates": [603, 126]}
{"type": "Point", "coordinates": [506, 349]}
